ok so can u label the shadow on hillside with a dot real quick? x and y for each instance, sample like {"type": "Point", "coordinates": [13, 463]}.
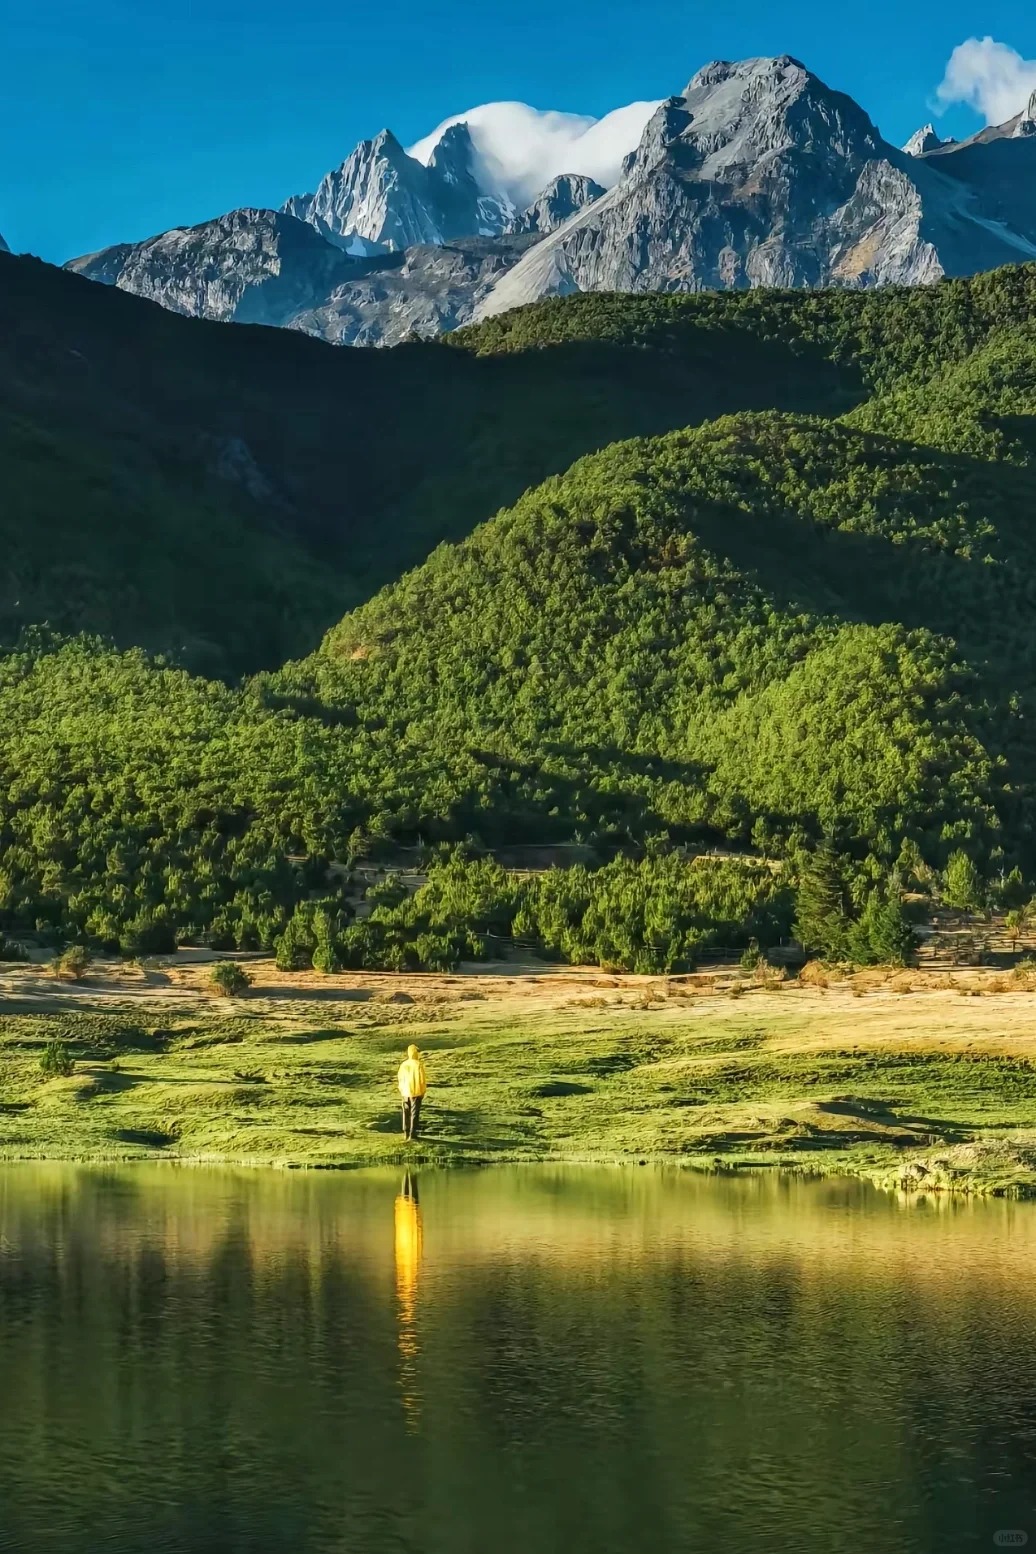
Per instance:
{"type": "Point", "coordinates": [917, 579]}
{"type": "Point", "coordinates": [357, 463]}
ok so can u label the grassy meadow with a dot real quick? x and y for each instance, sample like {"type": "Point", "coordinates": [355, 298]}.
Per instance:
{"type": "Point", "coordinates": [916, 1080]}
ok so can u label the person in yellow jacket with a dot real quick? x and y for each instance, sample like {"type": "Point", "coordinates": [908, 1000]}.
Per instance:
{"type": "Point", "coordinates": [413, 1086]}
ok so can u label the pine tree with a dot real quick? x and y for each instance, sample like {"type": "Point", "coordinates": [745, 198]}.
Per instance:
{"type": "Point", "coordinates": [327, 954]}
{"type": "Point", "coordinates": [910, 864]}
{"type": "Point", "coordinates": [882, 936]}
{"type": "Point", "coordinates": [1013, 893]}
{"type": "Point", "coordinates": [295, 946]}
{"type": "Point", "coordinates": [962, 883]}
{"type": "Point", "coordinates": [820, 916]}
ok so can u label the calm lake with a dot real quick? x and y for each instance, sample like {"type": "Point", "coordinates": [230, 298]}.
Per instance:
{"type": "Point", "coordinates": [529, 1359]}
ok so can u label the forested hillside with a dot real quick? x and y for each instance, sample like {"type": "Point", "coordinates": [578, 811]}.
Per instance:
{"type": "Point", "coordinates": [740, 624]}
{"type": "Point", "coordinates": [225, 494]}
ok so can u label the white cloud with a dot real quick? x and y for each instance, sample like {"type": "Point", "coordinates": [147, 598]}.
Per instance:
{"type": "Point", "coordinates": [521, 148]}
{"type": "Point", "coordinates": [990, 77]}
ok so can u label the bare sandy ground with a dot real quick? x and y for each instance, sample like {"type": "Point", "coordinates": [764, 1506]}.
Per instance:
{"type": "Point", "coordinates": [955, 1010]}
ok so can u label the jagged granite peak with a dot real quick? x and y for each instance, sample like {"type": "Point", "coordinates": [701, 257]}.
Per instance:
{"type": "Point", "coordinates": [1021, 127]}
{"type": "Point", "coordinates": [563, 197]}
{"type": "Point", "coordinates": [761, 175]}
{"type": "Point", "coordinates": [465, 208]}
{"type": "Point", "coordinates": [378, 193]}
{"type": "Point", "coordinates": [381, 195]}
{"type": "Point", "coordinates": [668, 122]}
{"type": "Point", "coordinates": [249, 266]}
{"type": "Point", "coordinates": [924, 140]}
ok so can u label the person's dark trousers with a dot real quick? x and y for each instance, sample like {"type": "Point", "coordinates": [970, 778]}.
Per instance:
{"type": "Point", "coordinates": [411, 1115]}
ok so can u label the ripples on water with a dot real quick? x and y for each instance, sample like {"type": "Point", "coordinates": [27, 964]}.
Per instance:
{"type": "Point", "coordinates": [515, 1360]}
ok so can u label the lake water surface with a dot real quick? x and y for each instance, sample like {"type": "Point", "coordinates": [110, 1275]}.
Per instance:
{"type": "Point", "coordinates": [529, 1359]}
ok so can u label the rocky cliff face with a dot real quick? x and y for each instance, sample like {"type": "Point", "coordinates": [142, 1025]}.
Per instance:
{"type": "Point", "coordinates": [563, 197]}
{"type": "Point", "coordinates": [3, 246]}
{"type": "Point", "coordinates": [757, 174]}
{"type": "Point", "coordinates": [760, 175]}
{"type": "Point", "coordinates": [427, 290]}
{"type": "Point", "coordinates": [250, 266]}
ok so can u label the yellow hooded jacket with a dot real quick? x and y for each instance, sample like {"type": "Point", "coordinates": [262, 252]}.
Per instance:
{"type": "Point", "coordinates": [413, 1081]}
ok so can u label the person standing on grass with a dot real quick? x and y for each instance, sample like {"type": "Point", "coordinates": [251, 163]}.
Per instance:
{"type": "Point", "coordinates": [413, 1086]}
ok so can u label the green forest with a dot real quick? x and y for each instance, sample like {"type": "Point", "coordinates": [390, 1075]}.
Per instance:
{"type": "Point", "coordinates": [734, 591]}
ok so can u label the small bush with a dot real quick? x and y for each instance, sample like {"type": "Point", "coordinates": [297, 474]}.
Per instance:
{"type": "Point", "coordinates": [10, 949]}
{"type": "Point", "coordinates": [72, 965]}
{"type": "Point", "coordinates": [56, 1061]}
{"type": "Point", "coordinates": [229, 980]}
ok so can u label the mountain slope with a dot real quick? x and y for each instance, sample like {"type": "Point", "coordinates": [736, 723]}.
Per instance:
{"type": "Point", "coordinates": [268, 267]}
{"type": "Point", "coordinates": [625, 626]}
{"type": "Point", "coordinates": [777, 622]}
{"type": "Point", "coordinates": [224, 494]}
{"type": "Point", "coordinates": [427, 290]}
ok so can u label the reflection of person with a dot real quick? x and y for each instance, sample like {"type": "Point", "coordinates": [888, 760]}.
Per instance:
{"type": "Point", "coordinates": [409, 1248]}
{"type": "Point", "coordinates": [413, 1086]}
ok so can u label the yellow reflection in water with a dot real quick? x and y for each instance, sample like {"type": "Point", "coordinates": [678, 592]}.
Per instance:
{"type": "Point", "coordinates": [409, 1246]}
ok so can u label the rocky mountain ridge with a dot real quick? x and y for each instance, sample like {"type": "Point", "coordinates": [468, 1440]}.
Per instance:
{"type": "Point", "coordinates": [757, 174]}
{"type": "Point", "coordinates": [760, 175]}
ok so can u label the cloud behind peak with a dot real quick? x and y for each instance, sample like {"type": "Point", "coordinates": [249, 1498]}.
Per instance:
{"type": "Point", "coordinates": [990, 77]}
{"type": "Point", "coordinates": [521, 149]}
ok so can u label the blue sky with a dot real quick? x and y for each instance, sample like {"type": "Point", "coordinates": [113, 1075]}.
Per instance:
{"type": "Point", "coordinates": [120, 118]}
